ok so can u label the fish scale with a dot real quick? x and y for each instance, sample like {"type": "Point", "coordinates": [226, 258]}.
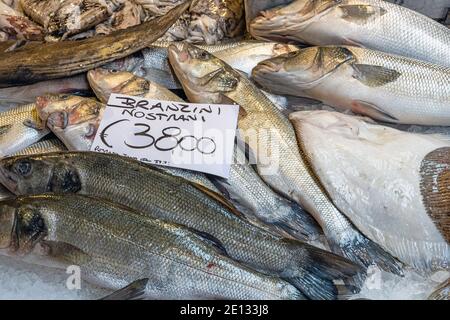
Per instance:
{"type": "Point", "coordinates": [115, 246]}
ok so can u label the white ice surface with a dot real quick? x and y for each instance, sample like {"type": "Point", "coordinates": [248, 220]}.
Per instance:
{"type": "Point", "coordinates": [19, 280]}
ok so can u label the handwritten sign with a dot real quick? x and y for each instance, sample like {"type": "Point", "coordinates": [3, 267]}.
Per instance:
{"type": "Point", "coordinates": [197, 137]}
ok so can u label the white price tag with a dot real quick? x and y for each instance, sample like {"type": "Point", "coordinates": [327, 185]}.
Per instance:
{"type": "Point", "coordinates": [197, 137]}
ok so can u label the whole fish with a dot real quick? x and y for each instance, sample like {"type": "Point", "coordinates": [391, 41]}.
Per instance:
{"type": "Point", "coordinates": [382, 86]}
{"type": "Point", "coordinates": [14, 96]}
{"type": "Point", "coordinates": [442, 292]}
{"type": "Point", "coordinates": [73, 119]}
{"type": "Point", "coordinates": [20, 128]}
{"type": "Point", "coordinates": [17, 26]}
{"type": "Point", "coordinates": [152, 63]}
{"type": "Point", "coordinates": [65, 58]}
{"type": "Point", "coordinates": [114, 247]}
{"type": "Point", "coordinates": [250, 194]}
{"type": "Point", "coordinates": [76, 16]}
{"type": "Point", "coordinates": [272, 140]}
{"type": "Point", "coordinates": [372, 24]}
{"type": "Point", "coordinates": [392, 185]}
{"type": "Point", "coordinates": [159, 195]}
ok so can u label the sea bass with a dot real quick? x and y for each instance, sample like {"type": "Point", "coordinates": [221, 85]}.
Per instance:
{"type": "Point", "coordinates": [159, 195]}
{"type": "Point", "coordinates": [393, 185]}
{"type": "Point", "coordinates": [382, 86]}
{"type": "Point", "coordinates": [65, 58]}
{"type": "Point", "coordinates": [271, 138]}
{"type": "Point", "coordinates": [17, 26]}
{"type": "Point", "coordinates": [20, 127]}
{"type": "Point", "coordinates": [373, 24]}
{"type": "Point", "coordinates": [253, 197]}
{"type": "Point", "coordinates": [114, 247]}
{"type": "Point", "coordinates": [14, 96]}
{"type": "Point", "coordinates": [152, 63]}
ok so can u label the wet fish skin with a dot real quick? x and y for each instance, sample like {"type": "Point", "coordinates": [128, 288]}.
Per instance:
{"type": "Point", "coordinates": [20, 127]}
{"type": "Point", "coordinates": [40, 11]}
{"type": "Point", "coordinates": [384, 87]}
{"type": "Point", "coordinates": [261, 205]}
{"type": "Point", "coordinates": [280, 162]}
{"type": "Point", "coordinates": [73, 119]}
{"type": "Point", "coordinates": [381, 180]}
{"type": "Point", "coordinates": [66, 58]}
{"type": "Point", "coordinates": [115, 246]}
{"type": "Point", "coordinates": [442, 292]}
{"type": "Point", "coordinates": [372, 24]}
{"type": "Point", "coordinates": [14, 96]}
{"type": "Point", "coordinates": [131, 14]}
{"type": "Point", "coordinates": [154, 193]}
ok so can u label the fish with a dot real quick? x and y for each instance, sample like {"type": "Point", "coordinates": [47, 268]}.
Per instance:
{"type": "Point", "coordinates": [260, 204]}
{"type": "Point", "coordinates": [385, 87]}
{"type": "Point", "coordinates": [272, 141]}
{"type": "Point", "coordinates": [442, 292]}
{"type": "Point", "coordinates": [15, 96]}
{"type": "Point", "coordinates": [394, 186]}
{"type": "Point", "coordinates": [152, 63]}
{"type": "Point", "coordinates": [40, 11]}
{"type": "Point", "coordinates": [114, 246]}
{"type": "Point", "coordinates": [20, 128]}
{"type": "Point", "coordinates": [17, 26]}
{"type": "Point", "coordinates": [159, 195]}
{"type": "Point", "coordinates": [371, 24]}
{"type": "Point", "coordinates": [73, 119]}
{"type": "Point", "coordinates": [66, 58]}
{"type": "Point", "coordinates": [158, 7]}
{"type": "Point", "coordinates": [131, 14]}
{"type": "Point", "coordinates": [77, 16]}
{"type": "Point", "coordinates": [254, 7]}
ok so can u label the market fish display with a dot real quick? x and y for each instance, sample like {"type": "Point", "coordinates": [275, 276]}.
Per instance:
{"type": "Point", "coordinates": [20, 127]}
{"type": "Point", "coordinates": [249, 193]}
{"type": "Point", "coordinates": [271, 138]}
{"type": "Point", "coordinates": [373, 24]}
{"type": "Point", "coordinates": [18, 27]}
{"type": "Point", "coordinates": [393, 185]}
{"type": "Point", "coordinates": [115, 246]}
{"type": "Point", "coordinates": [382, 86]}
{"type": "Point", "coordinates": [65, 58]}
{"type": "Point", "coordinates": [73, 119]}
{"type": "Point", "coordinates": [159, 195]}
{"type": "Point", "coordinates": [14, 96]}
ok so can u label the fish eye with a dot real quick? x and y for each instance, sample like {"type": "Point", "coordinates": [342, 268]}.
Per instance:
{"type": "Point", "coordinates": [114, 71]}
{"type": "Point", "coordinates": [203, 55]}
{"type": "Point", "coordinates": [23, 168]}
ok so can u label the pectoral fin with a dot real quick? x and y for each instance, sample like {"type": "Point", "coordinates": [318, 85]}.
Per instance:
{"type": "Point", "coordinates": [65, 253]}
{"type": "Point", "coordinates": [374, 76]}
{"type": "Point", "coordinates": [372, 111]}
{"type": "Point", "coordinates": [361, 14]}
{"type": "Point", "coordinates": [134, 291]}
{"type": "Point", "coordinates": [210, 240]}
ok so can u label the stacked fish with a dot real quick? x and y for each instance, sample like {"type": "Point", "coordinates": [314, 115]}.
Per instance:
{"type": "Point", "coordinates": [352, 165]}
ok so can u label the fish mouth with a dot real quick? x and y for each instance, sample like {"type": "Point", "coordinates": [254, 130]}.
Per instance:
{"type": "Point", "coordinates": [8, 180]}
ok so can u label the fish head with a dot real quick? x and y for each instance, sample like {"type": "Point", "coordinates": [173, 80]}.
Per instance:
{"type": "Point", "coordinates": [289, 73]}
{"type": "Point", "coordinates": [52, 103]}
{"type": "Point", "coordinates": [22, 227]}
{"type": "Point", "coordinates": [105, 82]}
{"type": "Point", "coordinates": [279, 23]}
{"type": "Point", "coordinates": [205, 78]}
{"type": "Point", "coordinates": [38, 174]}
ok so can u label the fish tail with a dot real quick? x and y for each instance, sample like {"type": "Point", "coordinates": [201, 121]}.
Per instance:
{"type": "Point", "coordinates": [300, 225]}
{"type": "Point", "coordinates": [366, 253]}
{"type": "Point", "coordinates": [316, 271]}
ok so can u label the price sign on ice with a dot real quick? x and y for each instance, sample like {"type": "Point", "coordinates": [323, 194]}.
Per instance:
{"type": "Point", "coordinates": [197, 137]}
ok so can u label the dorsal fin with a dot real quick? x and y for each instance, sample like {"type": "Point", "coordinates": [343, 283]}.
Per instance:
{"type": "Point", "coordinates": [435, 188]}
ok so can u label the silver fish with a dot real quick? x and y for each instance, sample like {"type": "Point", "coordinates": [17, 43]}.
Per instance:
{"type": "Point", "coordinates": [382, 86]}
{"type": "Point", "coordinates": [373, 24]}
{"type": "Point", "coordinates": [19, 128]}
{"type": "Point", "coordinates": [272, 140]}
{"type": "Point", "coordinates": [260, 204]}
{"type": "Point", "coordinates": [391, 184]}
{"type": "Point", "coordinates": [115, 246]}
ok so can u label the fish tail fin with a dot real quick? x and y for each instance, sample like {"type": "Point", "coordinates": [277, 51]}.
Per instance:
{"type": "Point", "coordinates": [366, 253]}
{"type": "Point", "coordinates": [134, 291]}
{"type": "Point", "coordinates": [316, 269]}
{"type": "Point", "coordinates": [300, 225]}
